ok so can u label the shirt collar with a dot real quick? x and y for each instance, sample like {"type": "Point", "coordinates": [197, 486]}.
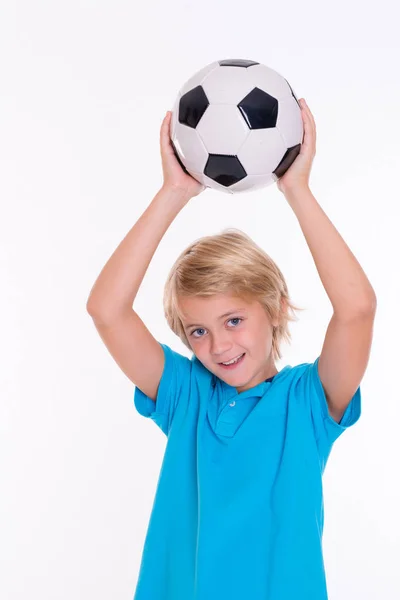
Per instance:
{"type": "Point", "coordinates": [257, 391]}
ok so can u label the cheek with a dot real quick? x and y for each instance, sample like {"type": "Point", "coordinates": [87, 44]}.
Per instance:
{"type": "Point", "coordinates": [257, 339]}
{"type": "Point", "coordinates": [200, 351]}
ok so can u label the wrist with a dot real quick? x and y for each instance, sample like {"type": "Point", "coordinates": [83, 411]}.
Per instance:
{"type": "Point", "coordinates": [175, 194]}
{"type": "Point", "coordinates": [298, 192]}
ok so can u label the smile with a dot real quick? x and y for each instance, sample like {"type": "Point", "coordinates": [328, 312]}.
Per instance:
{"type": "Point", "coordinates": [236, 361]}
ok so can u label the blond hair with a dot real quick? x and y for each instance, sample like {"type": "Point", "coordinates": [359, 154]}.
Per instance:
{"type": "Point", "coordinates": [229, 263]}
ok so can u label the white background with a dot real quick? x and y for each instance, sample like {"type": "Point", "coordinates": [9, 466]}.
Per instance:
{"type": "Point", "coordinates": [84, 87]}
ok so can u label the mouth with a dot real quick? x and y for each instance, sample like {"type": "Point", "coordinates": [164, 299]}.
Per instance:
{"type": "Point", "coordinates": [235, 364]}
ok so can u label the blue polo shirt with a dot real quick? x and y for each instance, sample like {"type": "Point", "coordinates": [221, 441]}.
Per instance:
{"type": "Point", "coordinates": [238, 511]}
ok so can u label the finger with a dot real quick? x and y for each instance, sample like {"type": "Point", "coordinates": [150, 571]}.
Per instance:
{"type": "Point", "coordinates": [309, 114]}
{"type": "Point", "coordinates": [164, 131]}
{"type": "Point", "coordinates": [308, 129]}
{"type": "Point", "coordinates": [165, 138]}
{"type": "Point", "coordinates": [309, 139]}
{"type": "Point", "coordinates": [309, 123]}
{"type": "Point", "coordinates": [165, 123]}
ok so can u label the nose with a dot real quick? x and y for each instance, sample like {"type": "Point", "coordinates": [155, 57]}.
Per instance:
{"type": "Point", "coordinates": [220, 346]}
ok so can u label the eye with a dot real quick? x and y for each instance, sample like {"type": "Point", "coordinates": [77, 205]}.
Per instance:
{"type": "Point", "coordinates": [236, 319]}
{"type": "Point", "coordinates": [193, 332]}
{"type": "Point", "coordinates": [201, 329]}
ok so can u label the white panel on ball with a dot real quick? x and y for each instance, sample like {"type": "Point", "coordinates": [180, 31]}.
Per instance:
{"type": "Point", "coordinates": [190, 148]}
{"type": "Point", "coordinates": [199, 176]}
{"type": "Point", "coordinates": [253, 182]}
{"type": "Point", "coordinates": [222, 129]}
{"type": "Point", "coordinates": [290, 123]}
{"type": "Point", "coordinates": [198, 77]}
{"type": "Point", "coordinates": [227, 85]}
{"type": "Point", "coordinates": [262, 151]}
{"type": "Point", "coordinates": [269, 81]}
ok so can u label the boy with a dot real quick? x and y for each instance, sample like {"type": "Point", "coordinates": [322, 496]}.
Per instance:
{"type": "Point", "coordinates": [238, 512]}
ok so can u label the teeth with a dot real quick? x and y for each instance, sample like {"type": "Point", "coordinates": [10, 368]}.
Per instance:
{"type": "Point", "coordinates": [233, 360]}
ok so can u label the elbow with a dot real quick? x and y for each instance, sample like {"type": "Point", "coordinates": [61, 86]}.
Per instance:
{"type": "Point", "coordinates": [97, 314]}
{"type": "Point", "coordinates": [361, 309]}
{"type": "Point", "coordinates": [366, 304]}
{"type": "Point", "coordinates": [369, 306]}
{"type": "Point", "coordinates": [92, 308]}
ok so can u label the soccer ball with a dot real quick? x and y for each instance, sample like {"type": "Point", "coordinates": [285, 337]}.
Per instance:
{"type": "Point", "coordinates": [236, 126]}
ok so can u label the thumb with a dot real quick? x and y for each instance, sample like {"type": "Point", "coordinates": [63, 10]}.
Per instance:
{"type": "Point", "coordinates": [165, 143]}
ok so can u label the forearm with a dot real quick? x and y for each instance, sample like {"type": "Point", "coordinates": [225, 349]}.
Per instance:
{"type": "Point", "coordinates": [119, 281]}
{"type": "Point", "coordinates": [345, 282]}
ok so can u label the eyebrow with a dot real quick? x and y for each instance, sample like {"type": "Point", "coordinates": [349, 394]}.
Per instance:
{"type": "Point", "coordinates": [231, 312]}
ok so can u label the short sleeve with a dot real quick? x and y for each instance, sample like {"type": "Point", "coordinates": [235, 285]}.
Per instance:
{"type": "Point", "coordinates": [172, 394]}
{"type": "Point", "coordinates": [326, 429]}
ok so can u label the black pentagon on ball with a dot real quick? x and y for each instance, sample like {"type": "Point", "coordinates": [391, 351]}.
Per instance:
{"type": "Point", "coordinates": [192, 107]}
{"type": "Point", "coordinates": [237, 62]}
{"type": "Point", "coordinates": [289, 158]}
{"type": "Point", "coordinates": [259, 109]}
{"type": "Point", "coordinates": [224, 169]}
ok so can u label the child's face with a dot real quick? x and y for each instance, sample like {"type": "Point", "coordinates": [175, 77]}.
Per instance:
{"type": "Point", "coordinates": [215, 338]}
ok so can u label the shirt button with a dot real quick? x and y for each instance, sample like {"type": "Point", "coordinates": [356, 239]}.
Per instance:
{"type": "Point", "coordinates": [232, 403]}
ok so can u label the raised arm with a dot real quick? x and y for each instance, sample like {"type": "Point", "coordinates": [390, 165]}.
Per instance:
{"type": "Point", "coordinates": [111, 299]}
{"type": "Point", "coordinates": [119, 281]}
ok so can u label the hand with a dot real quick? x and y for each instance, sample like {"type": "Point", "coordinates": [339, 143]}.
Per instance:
{"type": "Point", "coordinates": [298, 173]}
{"type": "Point", "coordinates": [175, 178]}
